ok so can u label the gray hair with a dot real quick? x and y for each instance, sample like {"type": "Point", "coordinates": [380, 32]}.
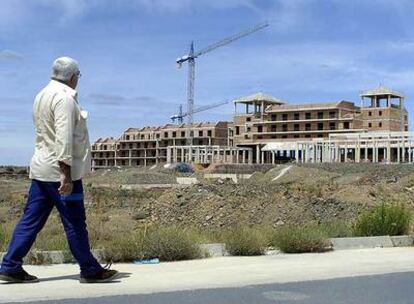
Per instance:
{"type": "Point", "coordinates": [64, 68]}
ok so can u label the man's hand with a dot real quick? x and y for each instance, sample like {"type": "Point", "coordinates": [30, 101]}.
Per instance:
{"type": "Point", "coordinates": [66, 185]}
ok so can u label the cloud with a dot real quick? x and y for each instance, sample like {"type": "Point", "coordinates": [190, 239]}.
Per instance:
{"type": "Point", "coordinates": [106, 99]}
{"type": "Point", "coordinates": [109, 99]}
{"type": "Point", "coordinates": [141, 102]}
{"type": "Point", "coordinates": [10, 55]}
{"type": "Point", "coordinates": [14, 12]}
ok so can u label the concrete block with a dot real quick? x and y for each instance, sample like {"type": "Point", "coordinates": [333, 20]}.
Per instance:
{"type": "Point", "coordinates": [214, 249]}
{"type": "Point", "coordinates": [54, 257]}
{"type": "Point", "coordinates": [402, 240]}
{"type": "Point", "coordinates": [362, 242]}
{"type": "Point", "coordinates": [187, 180]}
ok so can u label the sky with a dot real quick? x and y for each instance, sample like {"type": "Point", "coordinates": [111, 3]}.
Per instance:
{"type": "Point", "coordinates": [313, 51]}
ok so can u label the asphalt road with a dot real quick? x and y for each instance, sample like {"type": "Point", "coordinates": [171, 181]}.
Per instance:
{"type": "Point", "coordinates": [377, 289]}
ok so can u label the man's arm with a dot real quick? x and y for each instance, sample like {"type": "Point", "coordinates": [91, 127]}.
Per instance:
{"type": "Point", "coordinates": [66, 180]}
{"type": "Point", "coordinates": [64, 113]}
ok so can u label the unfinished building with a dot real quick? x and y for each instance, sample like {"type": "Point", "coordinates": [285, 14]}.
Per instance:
{"type": "Point", "coordinates": [148, 146]}
{"type": "Point", "coordinates": [266, 129]}
{"type": "Point", "coordinates": [271, 127]}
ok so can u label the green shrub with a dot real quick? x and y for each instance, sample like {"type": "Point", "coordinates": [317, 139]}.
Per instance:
{"type": "Point", "coordinates": [124, 248]}
{"type": "Point", "coordinates": [336, 229]}
{"type": "Point", "coordinates": [171, 244]}
{"type": "Point", "coordinates": [385, 219]}
{"type": "Point", "coordinates": [6, 231]}
{"type": "Point", "coordinates": [245, 241]}
{"type": "Point", "coordinates": [301, 239]}
{"type": "Point", "coordinates": [52, 237]}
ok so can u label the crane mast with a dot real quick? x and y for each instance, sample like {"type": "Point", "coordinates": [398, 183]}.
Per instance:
{"type": "Point", "coordinates": [190, 58]}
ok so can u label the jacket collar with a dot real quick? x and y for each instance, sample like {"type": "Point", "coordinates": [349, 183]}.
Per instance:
{"type": "Point", "coordinates": [65, 88]}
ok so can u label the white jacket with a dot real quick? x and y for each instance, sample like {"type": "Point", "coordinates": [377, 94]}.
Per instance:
{"type": "Point", "coordinates": [61, 134]}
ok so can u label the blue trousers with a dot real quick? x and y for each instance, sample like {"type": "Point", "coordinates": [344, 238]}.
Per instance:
{"type": "Point", "coordinates": [43, 196]}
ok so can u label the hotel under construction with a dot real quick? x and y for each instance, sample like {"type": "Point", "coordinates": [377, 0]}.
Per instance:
{"type": "Point", "coordinates": [265, 129]}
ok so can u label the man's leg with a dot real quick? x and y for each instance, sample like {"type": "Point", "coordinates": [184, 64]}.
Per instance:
{"type": "Point", "coordinates": [36, 212]}
{"type": "Point", "coordinates": [72, 213]}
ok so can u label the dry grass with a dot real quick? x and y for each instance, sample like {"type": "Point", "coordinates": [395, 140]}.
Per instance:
{"type": "Point", "coordinates": [385, 219]}
{"type": "Point", "coordinates": [246, 241]}
{"type": "Point", "coordinates": [301, 239]}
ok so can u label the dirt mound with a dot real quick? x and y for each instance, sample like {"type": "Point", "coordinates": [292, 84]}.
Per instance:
{"type": "Point", "coordinates": [131, 176]}
{"type": "Point", "coordinates": [304, 193]}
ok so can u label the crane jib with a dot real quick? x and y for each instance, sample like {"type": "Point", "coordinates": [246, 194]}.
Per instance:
{"type": "Point", "coordinates": [192, 55]}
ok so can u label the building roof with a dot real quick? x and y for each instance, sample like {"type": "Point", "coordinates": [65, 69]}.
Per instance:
{"type": "Point", "coordinates": [309, 106]}
{"type": "Point", "coordinates": [174, 126]}
{"type": "Point", "coordinates": [107, 140]}
{"type": "Point", "coordinates": [381, 90]}
{"type": "Point", "coordinates": [259, 97]}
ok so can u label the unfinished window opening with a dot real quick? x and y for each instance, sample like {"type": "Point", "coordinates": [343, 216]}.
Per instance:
{"type": "Point", "coordinates": [320, 126]}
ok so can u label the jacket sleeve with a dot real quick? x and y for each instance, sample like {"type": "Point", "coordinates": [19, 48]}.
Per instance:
{"type": "Point", "coordinates": [64, 115]}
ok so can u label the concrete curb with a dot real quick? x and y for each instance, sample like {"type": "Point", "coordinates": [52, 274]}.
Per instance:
{"type": "Point", "coordinates": [54, 257]}
{"type": "Point", "coordinates": [214, 249]}
{"type": "Point", "coordinates": [372, 242]}
{"type": "Point", "coordinates": [219, 249]}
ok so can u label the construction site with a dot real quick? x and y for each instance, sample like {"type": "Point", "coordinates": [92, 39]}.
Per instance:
{"type": "Point", "coordinates": [266, 130]}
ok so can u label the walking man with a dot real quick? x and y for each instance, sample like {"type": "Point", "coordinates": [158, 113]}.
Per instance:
{"type": "Point", "coordinates": [61, 158]}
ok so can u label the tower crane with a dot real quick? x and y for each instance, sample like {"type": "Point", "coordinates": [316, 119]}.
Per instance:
{"type": "Point", "coordinates": [192, 55]}
{"type": "Point", "coordinates": [180, 116]}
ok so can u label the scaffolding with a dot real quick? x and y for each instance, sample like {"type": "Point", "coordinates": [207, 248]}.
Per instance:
{"type": "Point", "coordinates": [209, 155]}
{"type": "Point", "coordinates": [374, 147]}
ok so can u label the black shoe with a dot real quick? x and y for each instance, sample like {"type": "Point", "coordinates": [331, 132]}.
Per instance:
{"type": "Point", "coordinates": [18, 277]}
{"type": "Point", "coordinates": [104, 276]}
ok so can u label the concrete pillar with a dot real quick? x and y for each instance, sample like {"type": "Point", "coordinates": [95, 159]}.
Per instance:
{"type": "Point", "coordinates": [366, 150]}
{"type": "Point", "coordinates": [403, 148]}
{"type": "Point", "coordinates": [398, 152]}
{"type": "Point", "coordinates": [175, 154]}
{"type": "Point", "coordinates": [358, 151]}
{"type": "Point", "coordinates": [168, 155]}
{"type": "Point", "coordinates": [197, 156]}
{"type": "Point", "coordinates": [346, 153]}
{"type": "Point", "coordinates": [389, 150]}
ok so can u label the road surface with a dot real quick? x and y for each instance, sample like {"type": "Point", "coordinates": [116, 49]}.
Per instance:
{"type": "Point", "coordinates": [349, 276]}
